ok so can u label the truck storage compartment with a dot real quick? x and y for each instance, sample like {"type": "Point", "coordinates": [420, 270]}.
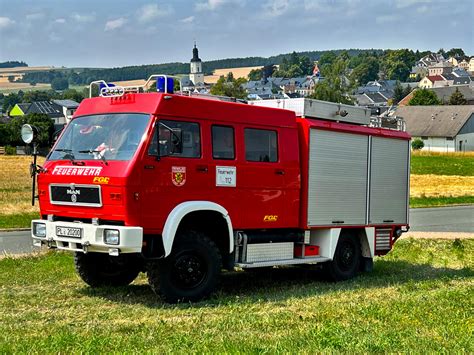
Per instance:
{"type": "Point", "coordinates": [389, 178]}
{"type": "Point", "coordinates": [337, 181]}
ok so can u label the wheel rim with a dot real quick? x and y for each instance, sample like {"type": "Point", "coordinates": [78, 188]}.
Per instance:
{"type": "Point", "coordinates": [189, 270]}
{"type": "Point", "coordinates": [347, 256]}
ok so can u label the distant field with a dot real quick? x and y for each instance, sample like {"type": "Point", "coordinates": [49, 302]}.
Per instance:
{"type": "Point", "coordinates": [461, 164]}
{"type": "Point", "coordinates": [237, 72]}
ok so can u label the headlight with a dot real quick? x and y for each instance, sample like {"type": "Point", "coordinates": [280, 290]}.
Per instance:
{"type": "Point", "coordinates": [39, 230]}
{"type": "Point", "coordinates": [111, 236]}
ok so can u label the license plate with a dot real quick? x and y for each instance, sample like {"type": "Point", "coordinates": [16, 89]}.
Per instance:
{"type": "Point", "coordinates": [70, 232]}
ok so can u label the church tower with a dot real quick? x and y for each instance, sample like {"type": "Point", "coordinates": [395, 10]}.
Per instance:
{"type": "Point", "coordinates": [196, 75]}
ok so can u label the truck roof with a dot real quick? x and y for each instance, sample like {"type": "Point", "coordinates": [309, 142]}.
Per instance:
{"type": "Point", "coordinates": [174, 105]}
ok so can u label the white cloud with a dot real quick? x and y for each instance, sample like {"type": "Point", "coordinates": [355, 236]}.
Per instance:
{"type": "Point", "coordinates": [400, 4]}
{"type": "Point", "coordinates": [114, 24]}
{"type": "Point", "coordinates": [35, 16]}
{"type": "Point", "coordinates": [83, 18]}
{"type": "Point", "coordinates": [210, 5]}
{"type": "Point", "coordinates": [5, 22]}
{"type": "Point", "coordinates": [54, 37]}
{"type": "Point", "coordinates": [60, 20]}
{"type": "Point", "coordinates": [151, 12]}
{"type": "Point", "coordinates": [275, 8]}
{"type": "Point", "coordinates": [189, 19]}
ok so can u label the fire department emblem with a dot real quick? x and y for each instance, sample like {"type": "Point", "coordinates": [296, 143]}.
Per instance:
{"type": "Point", "coordinates": [178, 175]}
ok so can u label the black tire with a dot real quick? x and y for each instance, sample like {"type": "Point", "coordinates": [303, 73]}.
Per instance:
{"type": "Point", "coordinates": [346, 261]}
{"type": "Point", "coordinates": [190, 273]}
{"type": "Point", "coordinates": [98, 269]}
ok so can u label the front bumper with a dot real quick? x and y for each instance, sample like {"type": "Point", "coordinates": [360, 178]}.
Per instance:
{"type": "Point", "coordinates": [91, 238]}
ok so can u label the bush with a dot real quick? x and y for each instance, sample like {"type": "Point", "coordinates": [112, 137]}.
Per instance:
{"type": "Point", "coordinates": [417, 144]}
{"type": "Point", "coordinates": [9, 150]}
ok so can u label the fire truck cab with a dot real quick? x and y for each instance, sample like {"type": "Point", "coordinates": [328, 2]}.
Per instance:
{"type": "Point", "coordinates": [182, 187]}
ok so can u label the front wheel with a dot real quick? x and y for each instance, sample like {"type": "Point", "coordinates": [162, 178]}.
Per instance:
{"type": "Point", "coordinates": [190, 273]}
{"type": "Point", "coordinates": [346, 261]}
{"type": "Point", "coordinates": [98, 269]}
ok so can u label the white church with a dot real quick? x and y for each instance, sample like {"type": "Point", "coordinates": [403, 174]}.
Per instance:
{"type": "Point", "coordinates": [196, 77]}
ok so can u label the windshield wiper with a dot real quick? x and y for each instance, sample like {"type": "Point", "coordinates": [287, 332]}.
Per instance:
{"type": "Point", "coordinates": [98, 152]}
{"type": "Point", "coordinates": [69, 156]}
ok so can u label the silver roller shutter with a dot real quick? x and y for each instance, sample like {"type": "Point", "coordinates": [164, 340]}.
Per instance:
{"type": "Point", "coordinates": [337, 182]}
{"type": "Point", "coordinates": [388, 181]}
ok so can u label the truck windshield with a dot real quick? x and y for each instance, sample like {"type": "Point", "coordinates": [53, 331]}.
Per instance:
{"type": "Point", "coordinates": [105, 137]}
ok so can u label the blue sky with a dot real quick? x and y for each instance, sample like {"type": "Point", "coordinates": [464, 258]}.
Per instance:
{"type": "Point", "coordinates": [106, 33]}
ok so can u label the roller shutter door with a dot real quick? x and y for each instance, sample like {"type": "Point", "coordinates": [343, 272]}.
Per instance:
{"type": "Point", "coordinates": [337, 182]}
{"type": "Point", "coordinates": [388, 181]}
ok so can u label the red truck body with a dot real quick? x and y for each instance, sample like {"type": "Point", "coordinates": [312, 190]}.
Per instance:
{"type": "Point", "coordinates": [266, 200]}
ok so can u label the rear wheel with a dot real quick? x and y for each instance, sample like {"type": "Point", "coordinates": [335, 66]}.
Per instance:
{"type": "Point", "coordinates": [98, 269]}
{"type": "Point", "coordinates": [190, 273]}
{"type": "Point", "coordinates": [346, 261]}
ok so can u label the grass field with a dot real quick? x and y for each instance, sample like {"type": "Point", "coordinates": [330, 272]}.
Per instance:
{"type": "Point", "coordinates": [461, 164]}
{"type": "Point", "coordinates": [419, 298]}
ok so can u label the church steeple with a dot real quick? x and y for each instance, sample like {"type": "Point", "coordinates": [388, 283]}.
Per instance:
{"type": "Point", "coordinates": [195, 54]}
{"type": "Point", "coordinates": [196, 75]}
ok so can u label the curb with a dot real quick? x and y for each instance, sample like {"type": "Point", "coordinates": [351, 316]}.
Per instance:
{"type": "Point", "coordinates": [15, 229]}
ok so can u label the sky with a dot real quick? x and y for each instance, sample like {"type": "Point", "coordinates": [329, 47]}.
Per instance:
{"type": "Point", "coordinates": [111, 33]}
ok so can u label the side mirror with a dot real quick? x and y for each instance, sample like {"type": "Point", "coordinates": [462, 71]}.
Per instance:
{"type": "Point", "coordinates": [29, 133]}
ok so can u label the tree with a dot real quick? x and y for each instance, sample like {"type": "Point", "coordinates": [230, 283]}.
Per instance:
{"type": "Point", "coordinates": [73, 94]}
{"type": "Point", "coordinates": [417, 144]}
{"type": "Point", "coordinates": [365, 71]}
{"type": "Point", "coordinates": [11, 78]}
{"type": "Point", "coordinates": [398, 93]}
{"type": "Point", "coordinates": [59, 84]}
{"type": "Point", "coordinates": [333, 88]}
{"type": "Point", "coordinates": [41, 121]}
{"type": "Point", "coordinates": [456, 52]}
{"type": "Point", "coordinates": [457, 98]}
{"type": "Point", "coordinates": [255, 74]}
{"type": "Point", "coordinates": [424, 97]}
{"type": "Point", "coordinates": [228, 86]}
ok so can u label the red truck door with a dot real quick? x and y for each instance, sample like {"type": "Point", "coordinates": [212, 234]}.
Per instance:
{"type": "Point", "coordinates": [178, 175]}
{"type": "Point", "coordinates": [261, 180]}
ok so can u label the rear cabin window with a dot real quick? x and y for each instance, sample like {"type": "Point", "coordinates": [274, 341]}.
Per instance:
{"type": "Point", "coordinates": [177, 139]}
{"type": "Point", "coordinates": [261, 145]}
{"type": "Point", "coordinates": [223, 146]}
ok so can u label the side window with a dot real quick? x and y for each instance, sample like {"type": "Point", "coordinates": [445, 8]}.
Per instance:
{"type": "Point", "coordinates": [176, 138]}
{"type": "Point", "coordinates": [223, 146]}
{"type": "Point", "coordinates": [261, 145]}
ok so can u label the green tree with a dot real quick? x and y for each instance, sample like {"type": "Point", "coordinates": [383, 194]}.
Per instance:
{"type": "Point", "coordinates": [59, 84]}
{"type": "Point", "coordinates": [255, 74]}
{"type": "Point", "coordinates": [365, 71]}
{"type": "Point", "coordinates": [457, 98]}
{"type": "Point", "coordinates": [417, 144]}
{"type": "Point", "coordinates": [73, 94]}
{"type": "Point", "coordinates": [5, 134]}
{"type": "Point", "coordinates": [424, 97]}
{"type": "Point", "coordinates": [456, 52]}
{"type": "Point", "coordinates": [333, 88]}
{"type": "Point", "coordinates": [41, 121]}
{"type": "Point", "coordinates": [228, 86]}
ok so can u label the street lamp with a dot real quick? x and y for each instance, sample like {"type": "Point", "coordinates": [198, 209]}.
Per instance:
{"type": "Point", "coordinates": [29, 134]}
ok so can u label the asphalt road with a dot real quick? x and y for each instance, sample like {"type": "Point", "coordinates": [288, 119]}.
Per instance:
{"type": "Point", "coordinates": [441, 219]}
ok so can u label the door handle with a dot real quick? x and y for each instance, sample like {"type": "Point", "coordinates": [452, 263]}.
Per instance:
{"type": "Point", "coordinates": [280, 172]}
{"type": "Point", "coordinates": [202, 169]}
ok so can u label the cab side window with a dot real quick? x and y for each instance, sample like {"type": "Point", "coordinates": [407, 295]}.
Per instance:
{"type": "Point", "coordinates": [176, 138]}
{"type": "Point", "coordinates": [223, 146]}
{"type": "Point", "coordinates": [261, 145]}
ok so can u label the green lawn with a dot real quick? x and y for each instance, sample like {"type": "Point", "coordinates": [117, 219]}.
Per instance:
{"type": "Point", "coordinates": [22, 220]}
{"type": "Point", "coordinates": [419, 298]}
{"type": "Point", "coordinates": [443, 164]}
{"type": "Point", "coordinates": [420, 202]}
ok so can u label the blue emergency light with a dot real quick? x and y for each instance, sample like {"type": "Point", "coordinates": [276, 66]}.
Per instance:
{"type": "Point", "coordinates": [103, 85]}
{"type": "Point", "coordinates": [160, 84]}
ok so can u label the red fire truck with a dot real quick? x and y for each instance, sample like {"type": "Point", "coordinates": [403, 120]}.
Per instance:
{"type": "Point", "coordinates": [184, 186]}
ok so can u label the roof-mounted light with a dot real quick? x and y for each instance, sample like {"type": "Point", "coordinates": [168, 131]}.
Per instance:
{"type": "Point", "coordinates": [165, 84]}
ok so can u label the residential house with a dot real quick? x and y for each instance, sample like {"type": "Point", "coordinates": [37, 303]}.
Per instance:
{"type": "Point", "coordinates": [440, 68]}
{"type": "Point", "coordinates": [444, 94]}
{"type": "Point", "coordinates": [68, 108]}
{"type": "Point", "coordinates": [421, 66]}
{"type": "Point", "coordinates": [60, 113]}
{"type": "Point", "coordinates": [463, 65]}
{"type": "Point", "coordinates": [471, 66]}
{"type": "Point", "coordinates": [371, 99]}
{"type": "Point", "coordinates": [442, 128]}
{"type": "Point", "coordinates": [430, 81]}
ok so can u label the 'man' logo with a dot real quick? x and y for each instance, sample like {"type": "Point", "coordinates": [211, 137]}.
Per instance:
{"type": "Point", "coordinates": [270, 218]}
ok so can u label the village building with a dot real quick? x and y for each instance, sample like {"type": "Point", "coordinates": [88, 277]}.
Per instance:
{"type": "Point", "coordinates": [442, 128]}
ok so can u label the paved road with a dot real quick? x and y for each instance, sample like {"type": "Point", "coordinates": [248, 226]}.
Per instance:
{"type": "Point", "coordinates": [444, 219]}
